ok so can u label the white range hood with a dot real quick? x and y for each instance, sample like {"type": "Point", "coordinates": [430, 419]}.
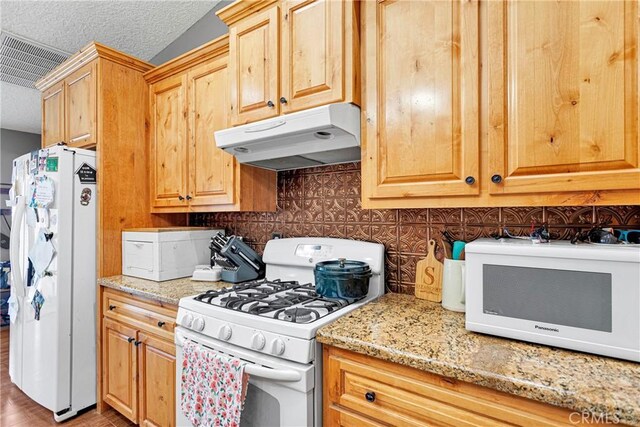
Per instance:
{"type": "Point", "coordinates": [319, 136]}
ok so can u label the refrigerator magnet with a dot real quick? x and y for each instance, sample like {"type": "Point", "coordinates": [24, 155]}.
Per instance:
{"type": "Point", "coordinates": [37, 302]}
{"type": "Point", "coordinates": [52, 164]}
{"type": "Point", "coordinates": [33, 163]}
{"type": "Point", "coordinates": [85, 196]}
{"type": "Point", "coordinates": [87, 174]}
{"type": "Point", "coordinates": [43, 155]}
{"type": "Point", "coordinates": [44, 192]}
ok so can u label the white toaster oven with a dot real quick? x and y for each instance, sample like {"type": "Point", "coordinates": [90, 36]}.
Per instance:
{"type": "Point", "coordinates": [582, 297]}
{"type": "Point", "coordinates": [165, 253]}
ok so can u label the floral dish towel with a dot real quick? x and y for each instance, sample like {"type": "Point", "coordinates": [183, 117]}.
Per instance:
{"type": "Point", "coordinates": [213, 387]}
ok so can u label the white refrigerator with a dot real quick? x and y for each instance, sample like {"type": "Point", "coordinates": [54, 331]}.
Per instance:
{"type": "Point", "coordinates": [52, 355]}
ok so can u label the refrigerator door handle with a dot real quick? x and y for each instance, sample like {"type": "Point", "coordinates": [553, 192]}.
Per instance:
{"type": "Point", "coordinates": [17, 281]}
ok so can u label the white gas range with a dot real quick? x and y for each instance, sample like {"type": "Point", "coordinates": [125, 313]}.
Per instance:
{"type": "Point", "coordinates": [272, 323]}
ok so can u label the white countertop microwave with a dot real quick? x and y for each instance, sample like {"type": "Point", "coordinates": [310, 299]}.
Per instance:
{"type": "Point", "coordinates": [583, 297]}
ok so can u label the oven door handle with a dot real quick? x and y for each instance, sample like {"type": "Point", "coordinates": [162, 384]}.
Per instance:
{"type": "Point", "coordinates": [272, 374]}
{"type": "Point", "coordinates": [252, 369]}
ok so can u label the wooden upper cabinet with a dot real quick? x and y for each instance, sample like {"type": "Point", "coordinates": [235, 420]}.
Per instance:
{"type": "Point", "coordinates": [157, 381]}
{"type": "Point", "coordinates": [253, 67]}
{"type": "Point", "coordinates": [168, 111]}
{"type": "Point", "coordinates": [80, 102]}
{"type": "Point", "coordinates": [53, 116]}
{"type": "Point", "coordinates": [420, 116]}
{"type": "Point", "coordinates": [185, 159]}
{"type": "Point", "coordinates": [119, 368]}
{"type": "Point", "coordinates": [563, 96]}
{"type": "Point", "coordinates": [317, 53]}
{"type": "Point", "coordinates": [69, 109]}
{"type": "Point", "coordinates": [211, 177]}
{"type": "Point", "coordinates": [291, 55]}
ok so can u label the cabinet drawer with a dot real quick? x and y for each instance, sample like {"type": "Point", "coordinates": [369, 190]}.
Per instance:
{"type": "Point", "coordinates": [156, 319]}
{"type": "Point", "coordinates": [389, 394]}
{"type": "Point", "coordinates": [400, 400]}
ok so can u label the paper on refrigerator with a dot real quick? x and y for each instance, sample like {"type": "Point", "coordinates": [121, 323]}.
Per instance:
{"type": "Point", "coordinates": [41, 253]}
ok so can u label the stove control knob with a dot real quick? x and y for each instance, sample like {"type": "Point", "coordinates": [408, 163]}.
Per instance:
{"type": "Point", "coordinates": [224, 333]}
{"type": "Point", "coordinates": [187, 320]}
{"type": "Point", "coordinates": [258, 341]}
{"type": "Point", "coordinates": [198, 324]}
{"type": "Point", "coordinates": [277, 347]}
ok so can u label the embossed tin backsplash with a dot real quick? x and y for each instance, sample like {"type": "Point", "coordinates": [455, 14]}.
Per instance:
{"type": "Point", "coordinates": [326, 202]}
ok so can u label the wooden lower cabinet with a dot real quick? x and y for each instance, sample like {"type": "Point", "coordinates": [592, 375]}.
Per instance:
{"type": "Point", "coordinates": [361, 390]}
{"type": "Point", "coordinates": [120, 368]}
{"type": "Point", "coordinates": [138, 360]}
{"type": "Point", "coordinates": [157, 379]}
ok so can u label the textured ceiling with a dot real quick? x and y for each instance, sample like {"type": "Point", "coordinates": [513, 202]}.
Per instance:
{"type": "Point", "coordinates": [139, 27]}
{"type": "Point", "coordinates": [20, 108]}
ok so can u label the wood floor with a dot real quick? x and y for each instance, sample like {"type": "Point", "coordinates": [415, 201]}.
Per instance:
{"type": "Point", "coordinates": [17, 410]}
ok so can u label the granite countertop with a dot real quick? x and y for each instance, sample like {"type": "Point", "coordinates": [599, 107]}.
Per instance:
{"type": "Point", "coordinates": [421, 334]}
{"type": "Point", "coordinates": [169, 291]}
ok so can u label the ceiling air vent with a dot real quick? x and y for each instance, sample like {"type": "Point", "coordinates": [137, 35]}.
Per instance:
{"type": "Point", "coordinates": [23, 62]}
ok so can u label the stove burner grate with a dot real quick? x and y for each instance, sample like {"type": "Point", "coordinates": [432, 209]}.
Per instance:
{"type": "Point", "coordinates": [297, 315]}
{"type": "Point", "coordinates": [283, 300]}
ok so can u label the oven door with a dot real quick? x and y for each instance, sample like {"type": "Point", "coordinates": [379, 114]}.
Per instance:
{"type": "Point", "coordinates": [280, 392]}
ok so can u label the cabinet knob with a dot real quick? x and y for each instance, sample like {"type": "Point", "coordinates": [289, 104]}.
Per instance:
{"type": "Point", "coordinates": [470, 180]}
{"type": "Point", "coordinates": [137, 343]}
{"type": "Point", "coordinates": [160, 324]}
{"type": "Point", "coordinates": [189, 197]}
{"type": "Point", "coordinates": [270, 104]}
{"type": "Point", "coordinates": [496, 179]}
{"type": "Point", "coordinates": [283, 100]}
{"type": "Point", "coordinates": [130, 340]}
{"type": "Point", "coordinates": [112, 307]}
{"type": "Point", "coordinates": [180, 198]}
{"type": "Point", "coordinates": [370, 396]}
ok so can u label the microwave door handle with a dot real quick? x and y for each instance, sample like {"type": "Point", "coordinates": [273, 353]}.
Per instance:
{"type": "Point", "coordinates": [463, 273]}
{"type": "Point", "coordinates": [272, 374]}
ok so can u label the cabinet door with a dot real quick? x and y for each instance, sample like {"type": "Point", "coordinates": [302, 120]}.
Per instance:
{"type": "Point", "coordinates": [563, 96]}
{"type": "Point", "coordinates": [53, 115]}
{"type": "Point", "coordinates": [253, 67]}
{"type": "Point", "coordinates": [315, 60]}
{"type": "Point", "coordinates": [421, 99]}
{"type": "Point", "coordinates": [211, 176]}
{"type": "Point", "coordinates": [157, 381]}
{"type": "Point", "coordinates": [168, 112]}
{"type": "Point", "coordinates": [119, 368]}
{"type": "Point", "coordinates": [81, 113]}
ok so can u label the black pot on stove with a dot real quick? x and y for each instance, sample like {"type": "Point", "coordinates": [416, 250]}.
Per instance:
{"type": "Point", "coordinates": [342, 278]}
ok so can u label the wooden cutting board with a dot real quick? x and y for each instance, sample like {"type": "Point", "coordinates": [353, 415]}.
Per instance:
{"type": "Point", "coordinates": [429, 276]}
